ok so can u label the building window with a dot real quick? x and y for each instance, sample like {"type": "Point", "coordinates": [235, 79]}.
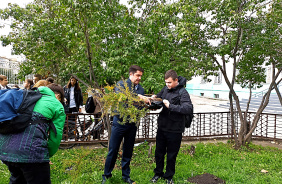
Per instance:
{"type": "Point", "coordinates": [203, 81]}
{"type": "Point", "coordinates": [268, 74]}
{"type": "Point", "coordinates": [218, 78]}
{"type": "Point", "coordinates": [216, 95]}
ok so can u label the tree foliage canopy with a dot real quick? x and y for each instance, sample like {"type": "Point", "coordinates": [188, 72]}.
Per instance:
{"type": "Point", "coordinates": [98, 40]}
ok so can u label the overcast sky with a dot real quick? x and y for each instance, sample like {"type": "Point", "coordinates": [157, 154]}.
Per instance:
{"type": "Point", "coordinates": [6, 51]}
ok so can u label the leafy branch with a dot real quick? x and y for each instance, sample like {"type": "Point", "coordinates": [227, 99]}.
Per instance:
{"type": "Point", "coordinates": [122, 101]}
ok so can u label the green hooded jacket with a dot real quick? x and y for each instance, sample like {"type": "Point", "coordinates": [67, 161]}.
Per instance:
{"type": "Point", "coordinates": [37, 143]}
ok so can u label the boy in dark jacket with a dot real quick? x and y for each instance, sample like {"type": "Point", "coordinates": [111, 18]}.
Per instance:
{"type": "Point", "coordinates": [170, 124]}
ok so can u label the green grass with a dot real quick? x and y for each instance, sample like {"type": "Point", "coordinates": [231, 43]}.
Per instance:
{"type": "Point", "coordinates": [82, 166]}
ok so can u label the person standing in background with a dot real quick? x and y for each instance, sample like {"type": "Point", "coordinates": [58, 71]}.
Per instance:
{"type": "Point", "coordinates": [73, 96]}
{"type": "Point", "coordinates": [4, 82]}
{"type": "Point", "coordinates": [36, 78]}
{"type": "Point", "coordinates": [50, 80]}
{"type": "Point", "coordinates": [28, 83]}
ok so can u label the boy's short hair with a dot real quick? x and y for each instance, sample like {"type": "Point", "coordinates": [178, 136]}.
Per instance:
{"type": "Point", "coordinates": [170, 73]}
{"type": "Point", "coordinates": [2, 77]}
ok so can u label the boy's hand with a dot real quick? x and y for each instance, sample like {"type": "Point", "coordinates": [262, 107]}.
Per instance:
{"type": "Point", "coordinates": [166, 103]}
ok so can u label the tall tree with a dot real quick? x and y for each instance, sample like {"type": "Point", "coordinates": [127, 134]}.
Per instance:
{"type": "Point", "coordinates": [97, 41]}
{"type": "Point", "coordinates": [245, 33]}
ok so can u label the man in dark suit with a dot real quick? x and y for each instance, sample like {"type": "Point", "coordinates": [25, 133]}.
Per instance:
{"type": "Point", "coordinates": [125, 131]}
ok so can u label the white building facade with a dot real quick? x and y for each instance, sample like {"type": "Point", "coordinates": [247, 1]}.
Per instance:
{"type": "Point", "coordinates": [218, 88]}
{"type": "Point", "coordinates": [10, 68]}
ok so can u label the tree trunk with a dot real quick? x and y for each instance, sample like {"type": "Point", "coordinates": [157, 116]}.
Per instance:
{"type": "Point", "coordinates": [232, 118]}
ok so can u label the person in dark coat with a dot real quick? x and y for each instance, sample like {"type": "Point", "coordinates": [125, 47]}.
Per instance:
{"type": "Point", "coordinates": [171, 125]}
{"type": "Point", "coordinates": [125, 131]}
{"type": "Point", "coordinates": [73, 96]}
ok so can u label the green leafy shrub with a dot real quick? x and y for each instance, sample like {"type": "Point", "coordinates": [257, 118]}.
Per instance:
{"type": "Point", "coordinates": [124, 103]}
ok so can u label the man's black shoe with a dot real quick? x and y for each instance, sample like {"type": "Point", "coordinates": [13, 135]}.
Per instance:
{"type": "Point", "coordinates": [128, 180]}
{"type": "Point", "coordinates": [169, 181]}
{"type": "Point", "coordinates": [155, 179]}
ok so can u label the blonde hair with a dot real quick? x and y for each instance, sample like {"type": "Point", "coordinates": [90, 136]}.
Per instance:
{"type": "Point", "coordinates": [40, 83]}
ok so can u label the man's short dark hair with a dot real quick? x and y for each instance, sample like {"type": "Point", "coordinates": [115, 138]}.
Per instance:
{"type": "Point", "coordinates": [38, 75]}
{"type": "Point", "coordinates": [171, 73]}
{"type": "Point", "coordinates": [134, 68]}
{"type": "Point", "coordinates": [57, 89]}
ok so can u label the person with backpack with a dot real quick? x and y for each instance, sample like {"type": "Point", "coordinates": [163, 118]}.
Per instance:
{"type": "Point", "coordinates": [171, 124]}
{"type": "Point", "coordinates": [27, 153]}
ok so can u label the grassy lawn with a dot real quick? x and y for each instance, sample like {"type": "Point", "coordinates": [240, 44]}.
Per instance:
{"type": "Point", "coordinates": [234, 166]}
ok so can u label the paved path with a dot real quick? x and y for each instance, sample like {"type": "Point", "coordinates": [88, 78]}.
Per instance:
{"type": "Point", "coordinates": [204, 104]}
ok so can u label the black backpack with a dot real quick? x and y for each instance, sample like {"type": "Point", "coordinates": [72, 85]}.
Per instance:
{"type": "Point", "coordinates": [20, 105]}
{"type": "Point", "coordinates": [188, 118]}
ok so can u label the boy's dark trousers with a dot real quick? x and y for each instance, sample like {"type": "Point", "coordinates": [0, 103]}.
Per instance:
{"type": "Point", "coordinates": [31, 173]}
{"type": "Point", "coordinates": [166, 143]}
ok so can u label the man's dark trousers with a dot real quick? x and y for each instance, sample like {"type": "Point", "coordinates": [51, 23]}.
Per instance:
{"type": "Point", "coordinates": [128, 132]}
{"type": "Point", "coordinates": [166, 142]}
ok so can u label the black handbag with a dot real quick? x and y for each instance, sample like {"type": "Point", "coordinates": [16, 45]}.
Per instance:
{"type": "Point", "coordinates": [90, 105]}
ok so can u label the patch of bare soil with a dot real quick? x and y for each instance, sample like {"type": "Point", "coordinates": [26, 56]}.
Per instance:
{"type": "Point", "coordinates": [206, 179]}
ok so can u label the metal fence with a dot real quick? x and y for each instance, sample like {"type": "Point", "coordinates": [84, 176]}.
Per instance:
{"type": "Point", "coordinates": [89, 128]}
{"type": "Point", "coordinates": [269, 126]}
